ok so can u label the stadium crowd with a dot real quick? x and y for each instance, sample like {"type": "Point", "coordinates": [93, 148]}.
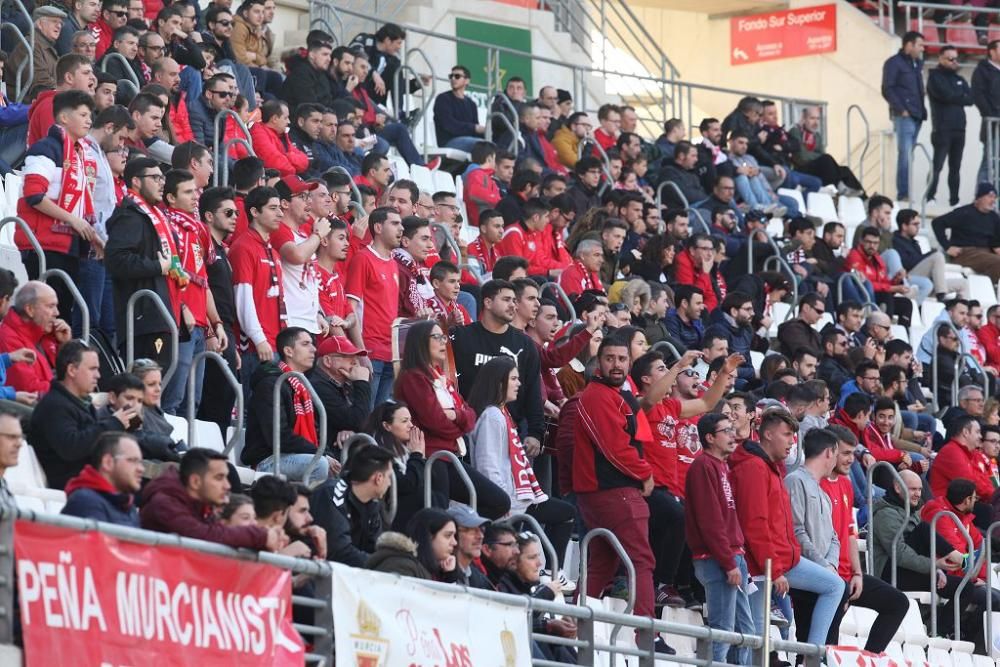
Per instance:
{"type": "Point", "coordinates": [579, 423]}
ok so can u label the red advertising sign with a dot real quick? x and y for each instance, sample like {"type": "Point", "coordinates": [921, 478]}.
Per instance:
{"type": "Point", "coordinates": [785, 34]}
{"type": "Point", "coordinates": [91, 600]}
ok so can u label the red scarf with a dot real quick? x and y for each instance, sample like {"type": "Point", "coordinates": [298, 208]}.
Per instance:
{"type": "Point", "coordinates": [526, 486]}
{"type": "Point", "coordinates": [188, 230]}
{"type": "Point", "coordinates": [808, 139]}
{"type": "Point", "coordinates": [177, 280]}
{"type": "Point", "coordinates": [443, 310]}
{"type": "Point", "coordinates": [487, 256]}
{"type": "Point", "coordinates": [305, 417]}
{"type": "Point", "coordinates": [79, 174]}
{"type": "Point", "coordinates": [588, 277]}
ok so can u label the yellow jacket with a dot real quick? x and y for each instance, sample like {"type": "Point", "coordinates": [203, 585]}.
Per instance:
{"type": "Point", "coordinates": [566, 144]}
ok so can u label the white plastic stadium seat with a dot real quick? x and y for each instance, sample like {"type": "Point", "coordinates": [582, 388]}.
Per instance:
{"type": "Point", "coordinates": [939, 657]}
{"type": "Point", "coordinates": [180, 425]}
{"type": "Point", "coordinates": [912, 629]}
{"type": "Point", "coordinates": [981, 289]}
{"type": "Point", "coordinates": [898, 332]}
{"type": "Point", "coordinates": [27, 475]}
{"type": "Point", "coordinates": [914, 654]}
{"type": "Point", "coordinates": [821, 206]}
{"type": "Point", "coordinates": [30, 503]}
{"type": "Point", "coordinates": [208, 435]}
{"type": "Point", "coordinates": [851, 210]}
{"type": "Point", "coordinates": [960, 659]}
{"type": "Point", "coordinates": [929, 311]}
{"type": "Point", "coordinates": [443, 181]}
{"type": "Point", "coordinates": [12, 184]}
{"type": "Point", "coordinates": [399, 167]}
{"type": "Point", "coordinates": [423, 178]}
{"type": "Point", "coordinates": [794, 194]}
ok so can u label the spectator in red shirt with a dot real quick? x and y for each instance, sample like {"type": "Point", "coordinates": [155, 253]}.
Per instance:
{"type": "Point", "coordinates": [481, 189]}
{"type": "Point", "coordinates": [959, 459]}
{"type": "Point", "coordinates": [257, 278]}
{"type": "Point", "coordinates": [556, 255]}
{"type": "Point", "coordinates": [609, 118]}
{"type": "Point", "coordinates": [865, 259]}
{"type": "Point", "coordinates": [271, 143]}
{"type": "Point", "coordinates": [693, 266]}
{"type": "Point", "coordinates": [713, 531]}
{"type": "Point", "coordinates": [484, 248]}
{"type": "Point", "coordinates": [877, 438]}
{"type": "Point", "coordinates": [584, 273]}
{"type": "Point", "coordinates": [989, 336]}
{"type": "Point", "coordinates": [245, 175]}
{"type": "Point", "coordinates": [114, 14]}
{"type": "Point", "coordinates": [73, 72]}
{"type": "Point", "coordinates": [375, 173]}
{"type": "Point", "coordinates": [330, 259]}
{"type": "Point", "coordinates": [32, 322]}
{"type": "Point", "coordinates": [167, 73]}
{"type": "Point", "coordinates": [373, 288]}
{"type": "Point", "coordinates": [525, 238]}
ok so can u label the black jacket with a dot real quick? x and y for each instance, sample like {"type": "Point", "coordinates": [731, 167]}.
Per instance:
{"type": "Point", "coordinates": [986, 92]}
{"type": "Point", "coordinates": [63, 430]}
{"type": "Point", "coordinates": [737, 122]}
{"type": "Point", "coordinates": [903, 86]}
{"type": "Point", "coordinates": [583, 198]}
{"type": "Point", "coordinates": [834, 373]}
{"type": "Point", "coordinates": [688, 182]}
{"type": "Point", "coordinates": [949, 94]}
{"type": "Point", "coordinates": [352, 527]}
{"type": "Point", "coordinates": [346, 405]}
{"type": "Point", "coordinates": [909, 250]}
{"type": "Point", "coordinates": [260, 419]}
{"type": "Point", "coordinates": [395, 553]}
{"type": "Point", "coordinates": [186, 52]}
{"type": "Point", "coordinates": [305, 83]}
{"type": "Point", "coordinates": [117, 70]}
{"type": "Point", "coordinates": [202, 119]}
{"type": "Point", "coordinates": [131, 257]}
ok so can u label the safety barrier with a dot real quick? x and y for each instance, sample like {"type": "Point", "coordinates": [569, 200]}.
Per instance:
{"type": "Point", "coordinates": [276, 428]}
{"type": "Point", "coordinates": [448, 239]}
{"type": "Point", "coordinates": [227, 373]}
{"type": "Point", "coordinates": [778, 260]}
{"type": "Point", "coordinates": [934, 363]}
{"type": "Point", "coordinates": [988, 559]}
{"type": "Point", "coordinates": [23, 86]}
{"type": "Point", "coordinates": [550, 552]}
{"type": "Point", "coordinates": [167, 316]}
{"type": "Point", "coordinates": [605, 534]}
{"type": "Point", "coordinates": [463, 475]}
{"type": "Point", "coordinates": [870, 538]}
{"type": "Point", "coordinates": [850, 146]}
{"type": "Point", "coordinates": [966, 360]}
{"type": "Point", "coordinates": [221, 154]}
{"type": "Point", "coordinates": [667, 345]}
{"type": "Point", "coordinates": [692, 212]}
{"type": "Point", "coordinates": [992, 151]}
{"type": "Point", "coordinates": [970, 568]}
{"type": "Point", "coordinates": [561, 295]}
{"type": "Point", "coordinates": [392, 506]}
{"type": "Point", "coordinates": [512, 122]}
{"type": "Point", "coordinates": [868, 304]}
{"type": "Point", "coordinates": [919, 147]}
{"type": "Point", "coordinates": [117, 57]}
{"type": "Point", "coordinates": [922, 17]}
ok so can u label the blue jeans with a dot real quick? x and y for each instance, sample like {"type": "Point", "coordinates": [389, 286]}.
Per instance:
{"type": "Point", "coordinates": [728, 607]}
{"type": "Point", "coordinates": [13, 141]}
{"type": "Point", "coordinates": [382, 378]}
{"type": "Point", "coordinates": [791, 204]}
{"type": "Point", "coordinates": [808, 182]}
{"type": "Point", "coordinates": [293, 467]}
{"type": "Point", "coordinates": [463, 143]}
{"type": "Point", "coordinates": [893, 265]}
{"type": "Point", "coordinates": [906, 129]}
{"type": "Point", "coordinates": [467, 301]}
{"type": "Point", "coordinates": [806, 576]}
{"type": "Point", "coordinates": [95, 287]}
{"type": "Point", "coordinates": [398, 135]}
{"type": "Point", "coordinates": [751, 191]}
{"type": "Point", "coordinates": [175, 398]}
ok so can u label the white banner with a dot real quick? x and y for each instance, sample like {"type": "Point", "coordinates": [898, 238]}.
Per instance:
{"type": "Point", "coordinates": [849, 656]}
{"type": "Point", "coordinates": [383, 620]}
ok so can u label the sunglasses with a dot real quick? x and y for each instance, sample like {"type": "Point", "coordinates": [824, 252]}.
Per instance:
{"type": "Point", "coordinates": [119, 14]}
{"type": "Point", "coordinates": [690, 372]}
{"type": "Point", "coordinates": [229, 212]}
{"type": "Point", "coordinates": [456, 75]}
{"type": "Point", "coordinates": [224, 24]}
{"type": "Point", "coordinates": [224, 94]}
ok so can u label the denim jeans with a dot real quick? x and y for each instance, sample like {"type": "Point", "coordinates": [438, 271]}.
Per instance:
{"type": "Point", "coordinates": [791, 204]}
{"type": "Point", "coordinates": [95, 288]}
{"type": "Point", "coordinates": [809, 183]}
{"type": "Point", "coordinates": [467, 301]}
{"type": "Point", "coordinates": [382, 377]}
{"type": "Point", "coordinates": [463, 143]}
{"type": "Point", "coordinates": [750, 192]}
{"type": "Point", "coordinates": [728, 607]}
{"type": "Point", "coordinates": [293, 467]}
{"type": "Point", "coordinates": [398, 135]}
{"type": "Point", "coordinates": [174, 400]}
{"type": "Point", "coordinates": [894, 264]}
{"type": "Point", "coordinates": [906, 129]}
{"type": "Point", "coordinates": [806, 576]}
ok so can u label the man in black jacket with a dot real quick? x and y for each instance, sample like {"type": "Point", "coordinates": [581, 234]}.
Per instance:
{"type": "Point", "coordinates": [584, 191]}
{"type": "Point", "coordinates": [349, 508]}
{"type": "Point", "coordinates": [139, 254]}
{"type": "Point", "coordinates": [344, 387]}
{"type": "Point", "coordinates": [903, 89]}
{"type": "Point", "coordinates": [308, 79]}
{"type": "Point", "coordinates": [920, 265]}
{"type": "Point", "coordinates": [833, 366]}
{"type": "Point", "coordinates": [125, 42]}
{"type": "Point", "coordinates": [949, 94]}
{"type": "Point", "coordinates": [65, 425]}
{"type": "Point", "coordinates": [986, 96]}
{"type": "Point", "coordinates": [306, 127]}
{"type": "Point", "coordinates": [682, 172]}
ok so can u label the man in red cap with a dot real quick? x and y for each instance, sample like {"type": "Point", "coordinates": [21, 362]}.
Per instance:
{"type": "Point", "coordinates": [344, 387]}
{"type": "Point", "coordinates": [296, 240]}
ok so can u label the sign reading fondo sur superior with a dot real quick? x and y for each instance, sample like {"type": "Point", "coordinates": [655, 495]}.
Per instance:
{"type": "Point", "coordinates": [784, 34]}
{"type": "Point", "coordinates": [90, 600]}
{"type": "Point", "coordinates": [381, 620]}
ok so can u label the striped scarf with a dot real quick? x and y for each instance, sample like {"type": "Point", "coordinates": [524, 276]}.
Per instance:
{"type": "Point", "coordinates": [526, 486]}
{"type": "Point", "coordinates": [305, 417]}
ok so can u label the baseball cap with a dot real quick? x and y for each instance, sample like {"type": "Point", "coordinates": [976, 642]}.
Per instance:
{"type": "Point", "coordinates": [466, 517]}
{"type": "Point", "coordinates": [339, 345]}
{"type": "Point", "coordinates": [289, 186]}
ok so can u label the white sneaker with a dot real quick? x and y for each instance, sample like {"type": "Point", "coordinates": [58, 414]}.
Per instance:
{"type": "Point", "coordinates": [829, 190]}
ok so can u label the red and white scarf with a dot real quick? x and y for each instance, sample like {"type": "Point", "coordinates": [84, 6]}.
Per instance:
{"type": "Point", "coordinates": [168, 247]}
{"type": "Point", "coordinates": [487, 255]}
{"type": "Point", "coordinates": [526, 486]}
{"type": "Point", "coordinates": [189, 229]}
{"type": "Point", "coordinates": [76, 192]}
{"type": "Point", "coordinates": [305, 417]}
{"type": "Point", "coordinates": [588, 277]}
{"type": "Point", "coordinates": [443, 311]}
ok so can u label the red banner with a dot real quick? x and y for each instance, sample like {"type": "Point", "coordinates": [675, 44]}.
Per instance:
{"type": "Point", "coordinates": [785, 34]}
{"type": "Point", "coordinates": [91, 600]}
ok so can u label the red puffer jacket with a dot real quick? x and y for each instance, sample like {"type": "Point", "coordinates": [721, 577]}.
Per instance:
{"type": "Point", "coordinates": [277, 152]}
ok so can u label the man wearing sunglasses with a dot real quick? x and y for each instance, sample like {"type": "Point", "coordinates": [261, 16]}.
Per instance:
{"type": "Point", "coordinates": [456, 120]}
{"type": "Point", "coordinates": [217, 96]}
{"type": "Point", "coordinates": [219, 21]}
{"type": "Point", "coordinates": [114, 14]}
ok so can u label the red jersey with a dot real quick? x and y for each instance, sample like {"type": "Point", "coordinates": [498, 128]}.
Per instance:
{"type": "Point", "coordinates": [522, 242]}
{"type": "Point", "coordinates": [662, 455]}
{"type": "Point", "coordinates": [257, 278]}
{"type": "Point", "coordinates": [332, 296]}
{"type": "Point", "coordinates": [195, 247]}
{"type": "Point", "coordinates": [554, 252]}
{"type": "Point", "coordinates": [842, 498]}
{"type": "Point", "coordinates": [576, 279]}
{"type": "Point", "coordinates": [374, 281]}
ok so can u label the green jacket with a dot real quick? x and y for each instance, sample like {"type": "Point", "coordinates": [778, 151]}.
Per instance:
{"type": "Point", "coordinates": [803, 156]}
{"type": "Point", "coordinates": [886, 519]}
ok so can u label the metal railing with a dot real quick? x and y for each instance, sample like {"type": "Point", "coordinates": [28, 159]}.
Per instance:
{"type": "Point", "coordinates": [32, 239]}
{"type": "Point", "coordinates": [114, 55]}
{"type": "Point", "coordinates": [988, 559]}
{"type": "Point", "coordinates": [319, 634]}
{"type": "Point", "coordinates": [670, 347]}
{"type": "Point", "coordinates": [934, 363]}
{"type": "Point", "coordinates": [927, 181]}
{"type": "Point", "coordinates": [448, 239]}
{"type": "Point", "coordinates": [966, 359]}
{"type": "Point", "coordinates": [227, 372]}
{"type": "Point", "coordinates": [345, 449]}
{"type": "Point", "coordinates": [692, 212]}
{"type": "Point", "coordinates": [167, 316]}
{"type": "Point", "coordinates": [991, 125]}
{"type": "Point", "coordinates": [512, 122]}
{"type": "Point", "coordinates": [550, 551]}
{"type": "Point", "coordinates": [276, 428]}
{"type": "Point", "coordinates": [78, 299]}
{"type": "Point", "coordinates": [850, 146]}
{"type": "Point", "coordinates": [853, 277]}
{"type": "Point", "coordinates": [561, 295]}
{"type": "Point", "coordinates": [870, 538]}
{"type": "Point", "coordinates": [355, 190]}
{"type": "Point", "coordinates": [23, 86]}
{"type": "Point", "coordinates": [922, 17]}
{"type": "Point", "coordinates": [783, 265]}
{"type": "Point", "coordinates": [462, 474]}
{"type": "Point", "coordinates": [221, 153]}
{"type": "Point", "coordinates": [607, 535]}
{"type": "Point", "coordinates": [971, 566]}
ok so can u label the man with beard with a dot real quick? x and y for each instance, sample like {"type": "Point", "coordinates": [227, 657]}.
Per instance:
{"type": "Point", "coordinates": [470, 538]}
{"type": "Point", "coordinates": [499, 552]}
{"type": "Point", "coordinates": [732, 320]}
{"type": "Point", "coordinates": [834, 368]}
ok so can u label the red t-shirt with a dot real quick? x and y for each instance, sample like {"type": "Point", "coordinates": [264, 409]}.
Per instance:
{"type": "Point", "coordinates": [257, 264]}
{"type": "Point", "coordinates": [662, 455]}
{"type": "Point", "coordinates": [197, 245]}
{"type": "Point", "coordinates": [332, 298]}
{"type": "Point", "coordinates": [374, 281]}
{"type": "Point", "coordinates": [682, 436]}
{"type": "Point", "coordinates": [842, 497]}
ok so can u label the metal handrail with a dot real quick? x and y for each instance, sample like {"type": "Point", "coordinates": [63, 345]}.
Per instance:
{"type": "Point", "coordinates": [355, 191]}
{"type": "Point", "coordinates": [473, 266]}
{"type": "Point", "coordinates": [970, 568]}
{"type": "Point", "coordinates": [32, 239]}
{"type": "Point", "coordinates": [870, 539]}
{"type": "Point", "coordinates": [850, 275]}
{"type": "Point", "coordinates": [920, 8]}
{"type": "Point", "coordinates": [449, 240]}
{"type": "Point", "coordinates": [927, 181]}
{"type": "Point", "coordinates": [850, 146]}
{"type": "Point", "coordinates": [988, 559]}
{"type": "Point", "coordinates": [629, 570]}
{"type": "Point", "coordinates": [345, 449]}
{"type": "Point", "coordinates": [605, 161]}
{"type": "Point", "coordinates": [227, 373]}
{"type": "Point", "coordinates": [427, 99]}
{"type": "Point", "coordinates": [29, 45]}
{"type": "Point", "coordinates": [133, 89]}
{"type": "Point", "coordinates": [669, 346]}
{"type": "Point", "coordinates": [967, 357]}
{"type": "Point", "coordinates": [455, 461]}
{"type": "Point", "coordinates": [561, 294]}
{"type": "Point", "coordinates": [78, 299]}
{"type": "Point", "coordinates": [934, 361]}
{"type": "Point", "coordinates": [171, 326]}
{"type": "Point", "coordinates": [991, 125]}
{"type": "Point", "coordinates": [223, 165]}
{"type": "Point", "coordinates": [550, 551]}
{"type": "Point", "coordinates": [220, 131]}
{"type": "Point", "coordinates": [276, 428]}
{"type": "Point", "coordinates": [684, 201]}
{"type": "Point", "coordinates": [782, 264]}
{"type": "Point", "coordinates": [114, 55]}
{"type": "Point", "coordinates": [325, 26]}
{"type": "Point", "coordinates": [502, 117]}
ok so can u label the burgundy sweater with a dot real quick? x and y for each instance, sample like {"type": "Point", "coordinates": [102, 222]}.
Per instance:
{"type": "Point", "coordinates": [710, 522]}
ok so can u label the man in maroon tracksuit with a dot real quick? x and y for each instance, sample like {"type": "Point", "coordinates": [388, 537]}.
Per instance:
{"type": "Point", "coordinates": [611, 478]}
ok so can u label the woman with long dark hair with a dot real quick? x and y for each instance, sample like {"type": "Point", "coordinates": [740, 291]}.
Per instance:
{"type": "Point", "coordinates": [391, 425]}
{"type": "Point", "coordinates": [498, 454]}
{"type": "Point", "coordinates": [434, 532]}
{"type": "Point", "coordinates": [443, 415]}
